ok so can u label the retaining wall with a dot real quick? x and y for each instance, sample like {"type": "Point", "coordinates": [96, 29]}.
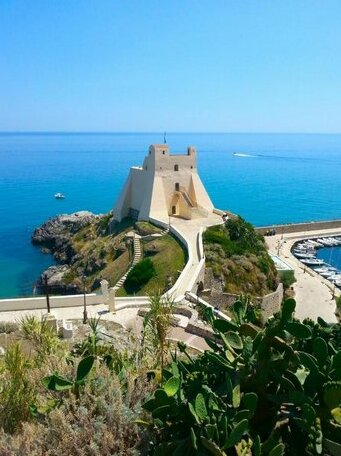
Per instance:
{"type": "Point", "coordinates": [269, 304]}
{"type": "Point", "coordinates": [55, 302]}
{"type": "Point", "coordinates": [301, 227]}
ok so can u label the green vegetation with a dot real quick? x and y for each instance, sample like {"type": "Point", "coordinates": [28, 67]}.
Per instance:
{"type": "Point", "coordinates": [156, 327]}
{"type": "Point", "coordinates": [100, 250]}
{"type": "Point", "coordinates": [338, 302]}
{"type": "Point", "coordinates": [239, 259]}
{"type": "Point", "coordinates": [270, 391]}
{"type": "Point", "coordinates": [255, 391]}
{"type": "Point", "coordinates": [145, 228]}
{"type": "Point", "coordinates": [141, 273]}
{"type": "Point", "coordinates": [168, 258]}
{"type": "Point", "coordinates": [287, 278]}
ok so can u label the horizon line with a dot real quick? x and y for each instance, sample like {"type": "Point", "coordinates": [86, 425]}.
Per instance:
{"type": "Point", "coordinates": [125, 132]}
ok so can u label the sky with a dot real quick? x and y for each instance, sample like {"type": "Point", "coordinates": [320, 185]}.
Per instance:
{"type": "Point", "coordinates": [175, 65]}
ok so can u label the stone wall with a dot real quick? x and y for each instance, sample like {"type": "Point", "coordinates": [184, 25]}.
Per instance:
{"type": "Point", "coordinates": [269, 304]}
{"type": "Point", "coordinates": [301, 227]}
{"type": "Point", "coordinates": [55, 302]}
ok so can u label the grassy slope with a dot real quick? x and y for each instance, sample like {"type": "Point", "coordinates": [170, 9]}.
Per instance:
{"type": "Point", "coordinates": [167, 262]}
{"type": "Point", "coordinates": [90, 245]}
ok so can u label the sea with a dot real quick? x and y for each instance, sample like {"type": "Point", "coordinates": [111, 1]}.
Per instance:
{"type": "Point", "coordinates": [266, 178]}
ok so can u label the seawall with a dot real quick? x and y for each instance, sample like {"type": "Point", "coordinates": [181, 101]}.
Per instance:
{"type": "Point", "coordinates": [301, 227]}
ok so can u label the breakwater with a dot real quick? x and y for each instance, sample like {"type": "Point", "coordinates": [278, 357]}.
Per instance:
{"type": "Point", "coordinates": [301, 227]}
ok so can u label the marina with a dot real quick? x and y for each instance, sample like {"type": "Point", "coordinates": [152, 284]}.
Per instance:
{"type": "Point", "coordinates": [306, 252]}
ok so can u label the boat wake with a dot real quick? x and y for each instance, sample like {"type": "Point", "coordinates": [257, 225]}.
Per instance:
{"type": "Point", "coordinates": [237, 154]}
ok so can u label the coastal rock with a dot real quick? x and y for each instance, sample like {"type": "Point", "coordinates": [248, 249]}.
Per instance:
{"type": "Point", "coordinates": [58, 280]}
{"type": "Point", "coordinates": [57, 229]}
{"type": "Point", "coordinates": [78, 247]}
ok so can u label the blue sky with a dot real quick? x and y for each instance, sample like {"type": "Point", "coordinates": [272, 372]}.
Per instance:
{"type": "Point", "coordinates": [176, 65]}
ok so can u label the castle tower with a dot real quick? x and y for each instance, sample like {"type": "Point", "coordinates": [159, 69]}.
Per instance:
{"type": "Point", "coordinates": [165, 185]}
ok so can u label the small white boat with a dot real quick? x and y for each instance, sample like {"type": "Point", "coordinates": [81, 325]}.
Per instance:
{"type": "Point", "coordinates": [314, 243]}
{"type": "Point", "coordinates": [304, 255]}
{"type": "Point", "coordinates": [312, 262]}
{"type": "Point", "coordinates": [327, 274]}
{"type": "Point", "coordinates": [59, 195]}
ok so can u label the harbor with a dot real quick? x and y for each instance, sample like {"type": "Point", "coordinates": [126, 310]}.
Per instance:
{"type": "Point", "coordinates": [306, 252]}
{"type": "Point", "coordinates": [314, 294]}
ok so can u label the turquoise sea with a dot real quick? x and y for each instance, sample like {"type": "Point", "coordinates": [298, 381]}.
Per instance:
{"type": "Point", "coordinates": [284, 178]}
{"type": "Point", "coordinates": [330, 255]}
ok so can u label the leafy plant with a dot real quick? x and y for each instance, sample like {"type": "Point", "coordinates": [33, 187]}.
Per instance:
{"type": "Point", "coordinates": [156, 325]}
{"type": "Point", "coordinates": [257, 391]}
{"type": "Point", "coordinates": [41, 335]}
{"type": "Point", "coordinates": [56, 382]}
{"type": "Point", "coordinates": [16, 391]}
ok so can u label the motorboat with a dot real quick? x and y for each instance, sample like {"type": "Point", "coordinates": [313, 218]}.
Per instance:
{"type": "Point", "coordinates": [312, 261]}
{"type": "Point", "coordinates": [314, 243]}
{"type": "Point", "coordinates": [335, 278]}
{"type": "Point", "coordinates": [327, 274]}
{"type": "Point", "coordinates": [59, 195]}
{"type": "Point", "coordinates": [304, 247]}
{"type": "Point", "coordinates": [303, 255]}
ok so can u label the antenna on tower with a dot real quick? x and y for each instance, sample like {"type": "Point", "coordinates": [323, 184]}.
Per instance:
{"type": "Point", "coordinates": [164, 138]}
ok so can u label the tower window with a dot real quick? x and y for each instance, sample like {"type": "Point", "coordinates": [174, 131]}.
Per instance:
{"type": "Point", "coordinates": [176, 167]}
{"type": "Point", "coordinates": [177, 187]}
{"type": "Point", "coordinates": [163, 152]}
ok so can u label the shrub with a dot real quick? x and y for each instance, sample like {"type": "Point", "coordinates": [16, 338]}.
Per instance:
{"type": "Point", "coordinates": [16, 392]}
{"type": "Point", "coordinates": [8, 327]}
{"type": "Point", "coordinates": [287, 278]}
{"type": "Point", "coordinates": [100, 422]}
{"type": "Point", "coordinates": [141, 273]}
{"type": "Point", "coordinates": [42, 336]}
{"type": "Point", "coordinates": [271, 391]}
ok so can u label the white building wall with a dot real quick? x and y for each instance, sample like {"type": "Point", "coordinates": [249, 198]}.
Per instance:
{"type": "Point", "coordinates": [151, 190]}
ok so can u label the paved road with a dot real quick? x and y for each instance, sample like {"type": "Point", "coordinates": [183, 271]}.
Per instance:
{"type": "Point", "coordinates": [313, 293]}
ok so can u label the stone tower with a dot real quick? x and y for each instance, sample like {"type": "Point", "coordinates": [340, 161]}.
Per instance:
{"type": "Point", "coordinates": [165, 185]}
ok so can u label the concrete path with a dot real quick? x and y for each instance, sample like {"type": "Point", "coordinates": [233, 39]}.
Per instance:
{"type": "Point", "coordinates": [190, 230]}
{"type": "Point", "coordinates": [313, 293]}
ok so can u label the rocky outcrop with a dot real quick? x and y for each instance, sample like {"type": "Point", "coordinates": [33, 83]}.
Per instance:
{"type": "Point", "coordinates": [56, 236]}
{"type": "Point", "coordinates": [53, 233]}
{"type": "Point", "coordinates": [60, 280]}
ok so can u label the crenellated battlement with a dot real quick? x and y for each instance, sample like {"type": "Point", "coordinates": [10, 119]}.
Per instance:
{"type": "Point", "coordinates": [166, 184]}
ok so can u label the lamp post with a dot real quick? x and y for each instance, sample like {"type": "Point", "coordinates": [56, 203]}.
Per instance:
{"type": "Point", "coordinates": [85, 313]}
{"type": "Point", "coordinates": [46, 287]}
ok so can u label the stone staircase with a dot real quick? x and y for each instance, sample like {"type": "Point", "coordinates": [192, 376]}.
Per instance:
{"type": "Point", "coordinates": [187, 198]}
{"type": "Point", "coordinates": [137, 258]}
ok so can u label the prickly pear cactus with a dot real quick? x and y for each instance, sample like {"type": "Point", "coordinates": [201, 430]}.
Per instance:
{"type": "Point", "coordinates": [257, 391]}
